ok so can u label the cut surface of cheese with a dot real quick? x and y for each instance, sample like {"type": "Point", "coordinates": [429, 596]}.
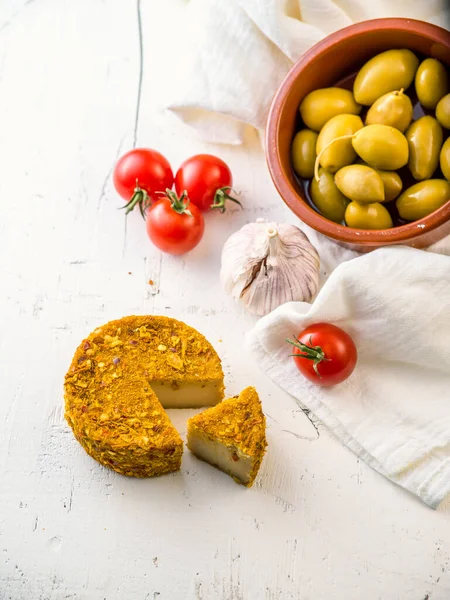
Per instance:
{"type": "Point", "coordinates": [188, 394]}
{"type": "Point", "coordinates": [110, 387]}
{"type": "Point", "coordinates": [231, 436]}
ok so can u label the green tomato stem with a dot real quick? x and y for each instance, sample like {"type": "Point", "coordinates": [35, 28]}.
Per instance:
{"type": "Point", "coordinates": [220, 198]}
{"type": "Point", "coordinates": [179, 205]}
{"type": "Point", "coordinates": [314, 353]}
{"type": "Point", "coordinates": [139, 197]}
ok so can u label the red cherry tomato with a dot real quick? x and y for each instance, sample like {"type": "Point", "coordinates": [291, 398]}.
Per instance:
{"type": "Point", "coordinates": [324, 354]}
{"type": "Point", "coordinates": [140, 173]}
{"type": "Point", "coordinates": [207, 180]}
{"type": "Point", "coordinates": [174, 225]}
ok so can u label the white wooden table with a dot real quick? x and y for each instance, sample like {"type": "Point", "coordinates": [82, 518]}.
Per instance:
{"type": "Point", "coordinates": [317, 524]}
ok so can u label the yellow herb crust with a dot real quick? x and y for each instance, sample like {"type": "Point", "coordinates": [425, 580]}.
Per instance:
{"type": "Point", "coordinates": [238, 423]}
{"type": "Point", "coordinates": [109, 403]}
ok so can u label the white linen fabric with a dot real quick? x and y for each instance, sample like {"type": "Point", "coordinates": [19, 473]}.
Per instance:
{"type": "Point", "coordinates": [233, 54]}
{"type": "Point", "coordinates": [394, 410]}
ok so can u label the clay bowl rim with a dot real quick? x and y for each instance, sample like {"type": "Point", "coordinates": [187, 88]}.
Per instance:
{"type": "Point", "coordinates": [281, 177]}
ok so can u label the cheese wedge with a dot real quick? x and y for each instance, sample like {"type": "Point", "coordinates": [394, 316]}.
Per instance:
{"type": "Point", "coordinates": [231, 436]}
{"type": "Point", "coordinates": [122, 377]}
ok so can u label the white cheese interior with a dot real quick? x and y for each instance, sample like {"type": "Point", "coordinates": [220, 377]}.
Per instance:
{"type": "Point", "coordinates": [187, 394]}
{"type": "Point", "coordinates": [217, 454]}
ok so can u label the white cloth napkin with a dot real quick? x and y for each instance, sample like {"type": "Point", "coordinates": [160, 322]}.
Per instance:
{"type": "Point", "coordinates": [233, 54]}
{"type": "Point", "coordinates": [394, 410]}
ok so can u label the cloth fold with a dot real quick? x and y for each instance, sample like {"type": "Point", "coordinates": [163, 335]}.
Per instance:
{"type": "Point", "coordinates": [235, 54]}
{"type": "Point", "coordinates": [394, 410]}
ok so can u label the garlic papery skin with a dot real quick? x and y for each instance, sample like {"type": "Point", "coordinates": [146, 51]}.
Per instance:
{"type": "Point", "coordinates": [267, 264]}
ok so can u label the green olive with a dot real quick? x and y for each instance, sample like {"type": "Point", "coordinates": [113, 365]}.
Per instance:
{"type": "Point", "coordinates": [386, 72]}
{"type": "Point", "coordinates": [367, 216]}
{"type": "Point", "coordinates": [444, 159]}
{"type": "Point", "coordinates": [339, 153]}
{"type": "Point", "coordinates": [432, 82]}
{"type": "Point", "coordinates": [443, 111]}
{"type": "Point", "coordinates": [423, 198]}
{"type": "Point", "coordinates": [360, 183]}
{"type": "Point", "coordinates": [392, 182]}
{"type": "Point", "coordinates": [330, 202]}
{"type": "Point", "coordinates": [303, 153]}
{"type": "Point", "coordinates": [425, 141]}
{"type": "Point", "coordinates": [320, 106]}
{"type": "Point", "coordinates": [381, 146]}
{"type": "Point", "coordinates": [394, 109]}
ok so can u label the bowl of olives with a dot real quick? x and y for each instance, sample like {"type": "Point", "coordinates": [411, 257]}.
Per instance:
{"type": "Point", "coordinates": [358, 135]}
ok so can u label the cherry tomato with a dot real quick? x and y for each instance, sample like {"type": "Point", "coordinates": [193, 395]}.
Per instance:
{"type": "Point", "coordinates": [324, 354]}
{"type": "Point", "coordinates": [207, 180]}
{"type": "Point", "coordinates": [174, 225]}
{"type": "Point", "coordinates": [140, 173]}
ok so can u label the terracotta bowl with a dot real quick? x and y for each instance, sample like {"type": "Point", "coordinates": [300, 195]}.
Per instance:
{"type": "Point", "coordinates": [331, 62]}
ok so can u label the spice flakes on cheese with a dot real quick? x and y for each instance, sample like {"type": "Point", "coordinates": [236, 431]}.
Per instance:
{"type": "Point", "coordinates": [122, 377]}
{"type": "Point", "coordinates": [231, 436]}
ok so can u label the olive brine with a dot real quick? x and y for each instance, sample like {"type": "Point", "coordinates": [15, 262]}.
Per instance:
{"type": "Point", "coordinates": [355, 171]}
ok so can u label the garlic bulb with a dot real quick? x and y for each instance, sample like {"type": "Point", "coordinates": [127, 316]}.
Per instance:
{"type": "Point", "coordinates": [266, 264]}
